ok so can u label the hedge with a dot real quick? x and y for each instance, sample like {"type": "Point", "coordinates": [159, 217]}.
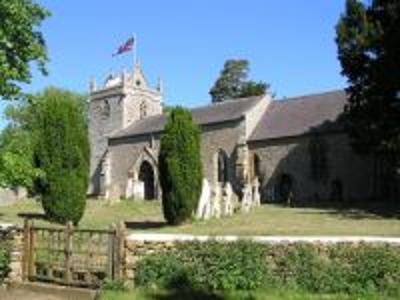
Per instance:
{"type": "Point", "coordinates": [340, 268]}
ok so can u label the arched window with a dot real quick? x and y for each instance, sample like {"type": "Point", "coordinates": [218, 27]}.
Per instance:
{"type": "Point", "coordinates": [143, 109]}
{"type": "Point", "coordinates": [318, 159]}
{"type": "Point", "coordinates": [223, 166]}
{"type": "Point", "coordinates": [255, 166]}
{"type": "Point", "coordinates": [286, 188]}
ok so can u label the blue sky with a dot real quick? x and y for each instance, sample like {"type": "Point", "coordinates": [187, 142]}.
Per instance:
{"type": "Point", "coordinates": [290, 44]}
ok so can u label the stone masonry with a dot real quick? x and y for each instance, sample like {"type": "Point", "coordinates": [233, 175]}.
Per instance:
{"type": "Point", "coordinates": [294, 150]}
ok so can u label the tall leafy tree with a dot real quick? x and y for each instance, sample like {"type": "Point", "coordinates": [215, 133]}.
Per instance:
{"type": "Point", "coordinates": [369, 51]}
{"type": "Point", "coordinates": [233, 82]}
{"type": "Point", "coordinates": [368, 38]}
{"type": "Point", "coordinates": [180, 166]}
{"type": "Point", "coordinates": [21, 43]}
{"type": "Point", "coordinates": [17, 168]}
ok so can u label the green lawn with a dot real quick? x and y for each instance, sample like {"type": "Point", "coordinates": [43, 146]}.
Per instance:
{"type": "Point", "coordinates": [282, 294]}
{"type": "Point", "coordinates": [266, 220]}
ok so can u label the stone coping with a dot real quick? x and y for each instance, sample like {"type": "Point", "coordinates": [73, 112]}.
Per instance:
{"type": "Point", "coordinates": [157, 237]}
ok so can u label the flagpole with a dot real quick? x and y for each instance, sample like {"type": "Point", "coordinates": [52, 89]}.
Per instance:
{"type": "Point", "coordinates": [134, 49]}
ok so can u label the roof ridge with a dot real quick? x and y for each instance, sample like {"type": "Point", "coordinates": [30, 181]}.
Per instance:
{"type": "Point", "coordinates": [319, 94]}
{"type": "Point", "coordinates": [227, 101]}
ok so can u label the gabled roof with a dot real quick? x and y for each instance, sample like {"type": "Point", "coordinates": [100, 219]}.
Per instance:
{"type": "Point", "coordinates": [301, 115]}
{"type": "Point", "coordinates": [215, 113]}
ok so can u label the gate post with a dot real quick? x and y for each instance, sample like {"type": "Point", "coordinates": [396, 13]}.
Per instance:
{"type": "Point", "coordinates": [120, 251]}
{"type": "Point", "coordinates": [112, 241]}
{"type": "Point", "coordinates": [26, 257]}
{"type": "Point", "coordinates": [116, 254]}
{"type": "Point", "coordinates": [31, 253]}
{"type": "Point", "coordinates": [67, 250]}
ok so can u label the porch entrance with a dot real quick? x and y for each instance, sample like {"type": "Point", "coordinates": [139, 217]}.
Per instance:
{"type": "Point", "coordinates": [146, 175]}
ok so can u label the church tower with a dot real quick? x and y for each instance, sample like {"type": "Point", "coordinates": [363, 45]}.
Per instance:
{"type": "Point", "coordinates": [122, 100]}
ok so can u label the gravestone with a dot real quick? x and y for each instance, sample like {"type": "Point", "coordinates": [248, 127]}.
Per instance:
{"type": "Point", "coordinates": [227, 200]}
{"type": "Point", "coordinates": [216, 201]}
{"type": "Point", "coordinates": [204, 207]}
{"type": "Point", "coordinates": [256, 192]}
{"type": "Point", "coordinates": [247, 198]}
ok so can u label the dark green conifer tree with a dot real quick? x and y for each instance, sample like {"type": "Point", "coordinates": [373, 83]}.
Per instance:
{"type": "Point", "coordinates": [62, 153]}
{"type": "Point", "coordinates": [180, 166]}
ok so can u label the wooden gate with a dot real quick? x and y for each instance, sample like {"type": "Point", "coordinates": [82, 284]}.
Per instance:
{"type": "Point", "coordinates": [71, 256]}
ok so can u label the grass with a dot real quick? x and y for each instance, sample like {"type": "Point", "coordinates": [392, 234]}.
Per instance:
{"type": "Point", "coordinates": [266, 220]}
{"type": "Point", "coordinates": [277, 294]}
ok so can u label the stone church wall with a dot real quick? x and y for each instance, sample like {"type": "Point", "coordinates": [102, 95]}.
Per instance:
{"type": "Point", "coordinates": [147, 103]}
{"type": "Point", "coordinates": [292, 156]}
{"type": "Point", "coordinates": [101, 124]}
{"type": "Point", "coordinates": [224, 136]}
{"type": "Point", "coordinates": [123, 155]}
{"type": "Point", "coordinates": [125, 152]}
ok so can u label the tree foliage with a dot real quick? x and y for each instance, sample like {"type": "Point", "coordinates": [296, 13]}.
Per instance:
{"type": "Point", "coordinates": [62, 153]}
{"type": "Point", "coordinates": [233, 83]}
{"type": "Point", "coordinates": [17, 168]}
{"type": "Point", "coordinates": [16, 159]}
{"type": "Point", "coordinates": [368, 38]}
{"type": "Point", "coordinates": [17, 141]}
{"type": "Point", "coordinates": [180, 166]}
{"type": "Point", "coordinates": [21, 43]}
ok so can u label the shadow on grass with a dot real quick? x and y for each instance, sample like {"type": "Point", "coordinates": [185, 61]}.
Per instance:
{"type": "Point", "coordinates": [32, 216]}
{"type": "Point", "coordinates": [187, 295]}
{"type": "Point", "coordinates": [143, 225]}
{"type": "Point", "coordinates": [353, 210]}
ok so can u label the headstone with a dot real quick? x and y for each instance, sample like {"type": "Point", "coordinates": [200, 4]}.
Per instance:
{"type": "Point", "coordinates": [138, 190]}
{"type": "Point", "coordinates": [204, 207]}
{"type": "Point", "coordinates": [134, 187]}
{"type": "Point", "coordinates": [227, 200]}
{"type": "Point", "coordinates": [247, 198]}
{"type": "Point", "coordinates": [129, 189]}
{"type": "Point", "coordinates": [256, 192]}
{"type": "Point", "coordinates": [216, 201]}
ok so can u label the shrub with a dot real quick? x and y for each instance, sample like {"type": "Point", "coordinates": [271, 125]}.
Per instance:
{"type": "Point", "coordinates": [159, 270]}
{"type": "Point", "coordinates": [214, 266]}
{"type": "Point", "coordinates": [210, 266]}
{"type": "Point", "coordinates": [115, 285]}
{"type": "Point", "coordinates": [62, 153]}
{"type": "Point", "coordinates": [339, 268]}
{"type": "Point", "coordinates": [180, 166]}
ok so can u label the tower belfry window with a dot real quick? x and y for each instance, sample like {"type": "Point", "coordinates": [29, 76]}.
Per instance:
{"type": "Point", "coordinates": [143, 110]}
{"type": "Point", "coordinates": [106, 109]}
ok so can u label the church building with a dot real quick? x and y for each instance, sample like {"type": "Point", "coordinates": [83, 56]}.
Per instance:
{"type": "Point", "coordinates": [294, 148]}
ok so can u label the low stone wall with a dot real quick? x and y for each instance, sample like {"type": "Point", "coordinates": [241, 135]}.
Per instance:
{"type": "Point", "coordinates": [14, 237]}
{"type": "Point", "coordinates": [139, 245]}
{"type": "Point", "coordinates": [9, 196]}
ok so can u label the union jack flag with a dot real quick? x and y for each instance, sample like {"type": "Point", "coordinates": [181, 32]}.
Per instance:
{"type": "Point", "coordinates": [125, 47]}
